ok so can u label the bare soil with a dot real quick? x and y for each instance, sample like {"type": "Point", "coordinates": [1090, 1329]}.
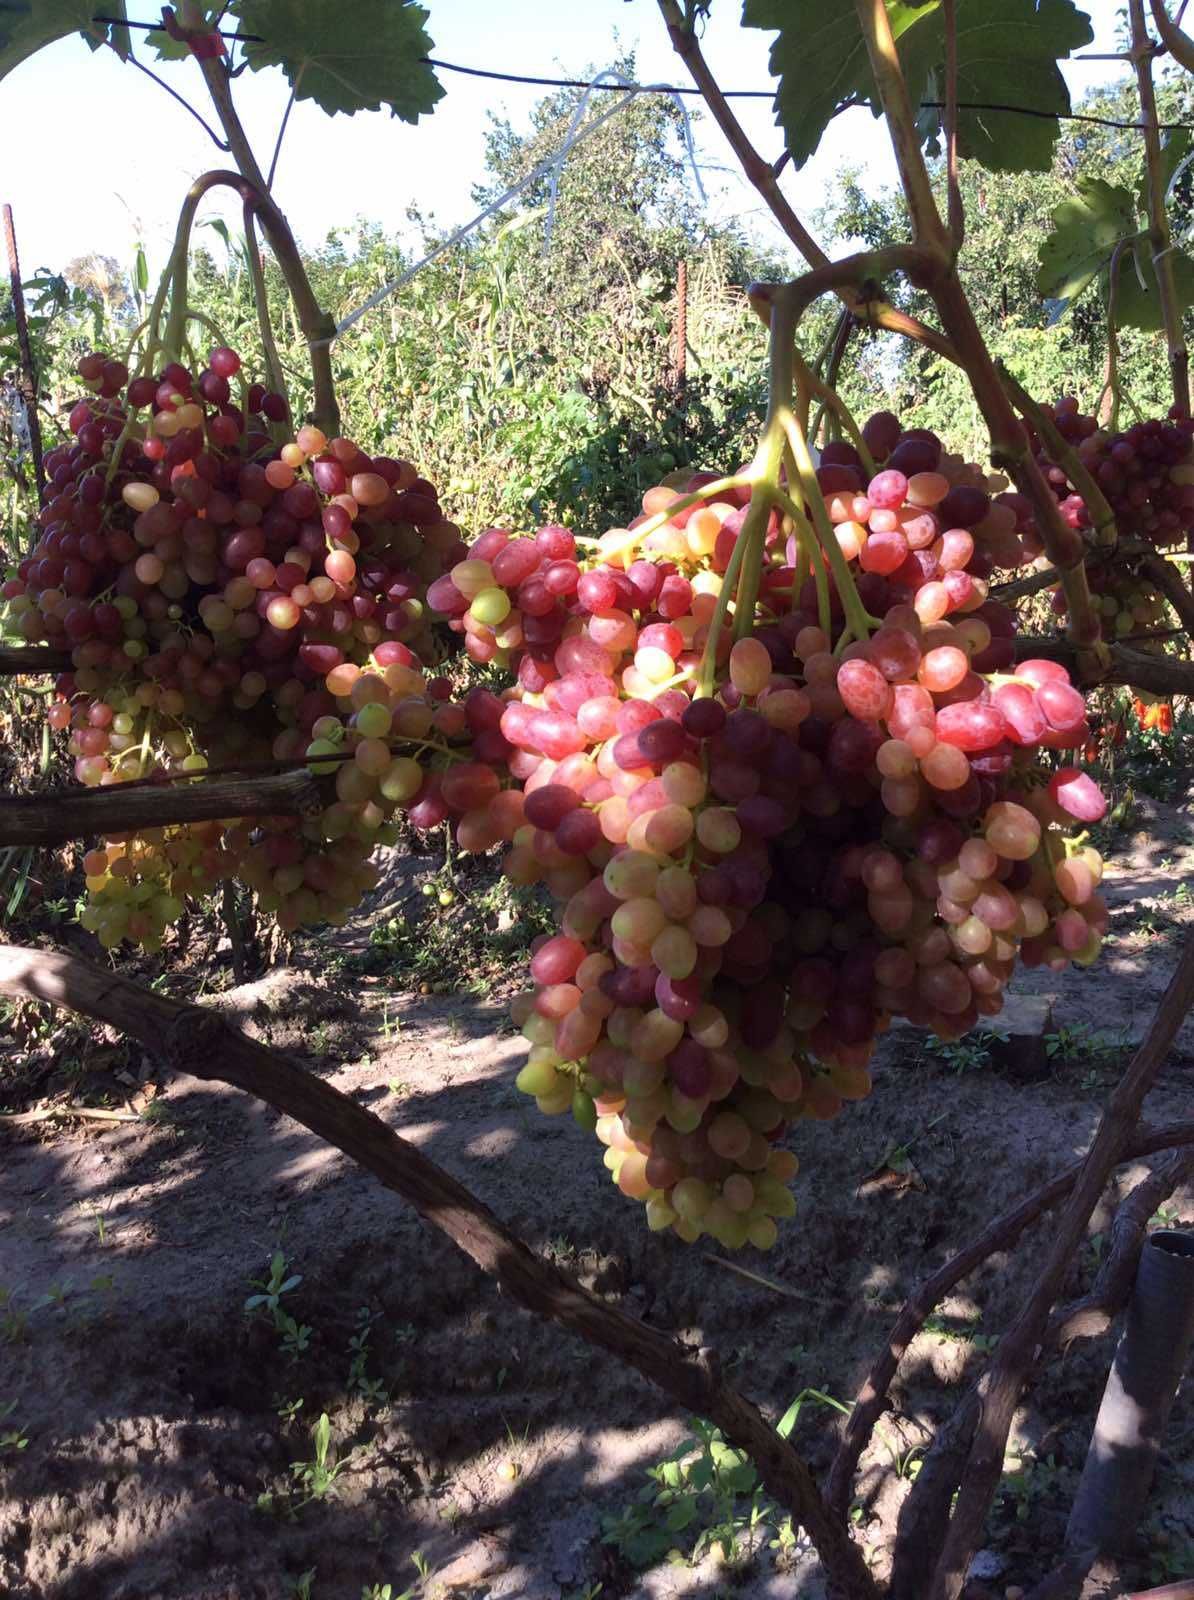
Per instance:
{"type": "Point", "coordinates": [156, 1412]}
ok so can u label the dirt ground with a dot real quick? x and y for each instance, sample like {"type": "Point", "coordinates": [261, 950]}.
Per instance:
{"type": "Point", "coordinates": [144, 1413]}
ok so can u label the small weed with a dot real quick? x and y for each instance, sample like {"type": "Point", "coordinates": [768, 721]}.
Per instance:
{"type": "Point", "coordinates": [904, 1463]}
{"type": "Point", "coordinates": [1168, 1559]}
{"type": "Point", "coordinates": [947, 1331]}
{"type": "Point", "coordinates": [515, 1440]}
{"type": "Point", "coordinates": [1026, 1480]}
{"type": "Point", "coordinates": [705, 1494]}
{"type": "Point", "coordinates": [314, 1479]}
{"type": "Point", "coordinates": [371, 1390]}
{"type": "Point", "coordinates": [274, 1287]}
{"type": "Point", "coordinates": [11, 1439]}
{"type": "Point", "coordinates": [300, 1589]}
{"type": "Point", "coordinates": [897, 1157]}
{"type": "Point", "coordinates": [14, 1324]}
{"type": "Point", "coordinates": [321, 1040]}
{"type": "Point", "coordinates": [1080, 1042]}
{"type": "Point", "coordinates": [287, 1410]}
{"type": "Point", "coordinates": [295, 1335]}
{"type": "Point", "coordinates": [970, 1052]}
{"type": "Point", "coordinates": [386, 1591]}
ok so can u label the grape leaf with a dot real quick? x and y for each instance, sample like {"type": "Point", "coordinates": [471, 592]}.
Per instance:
{"type": "Point", "coordinates": [1175, 148]}
{"type": "Point", "coordinates": [1137, 303]}
{"type": "Point", "coordinates": [821, 61]}
{"type": "Point", "coordinates": [1007, 54]}
{"type": "Point", "coordinates": [357, 64]}
{"type": "Point", "coordinates": [1086, 230]}
{"type": "Point", "coordinates": [27, 25]}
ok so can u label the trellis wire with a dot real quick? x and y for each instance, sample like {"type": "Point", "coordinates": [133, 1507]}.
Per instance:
{"type": "Point", "coordinates": [553, 164]}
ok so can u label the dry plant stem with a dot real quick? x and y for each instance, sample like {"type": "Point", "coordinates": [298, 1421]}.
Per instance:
{"type": "Point", "coordinates": [1017, 1347]}
{"type": "Point", "coordinates": [927, 227]}
{"type": "Point", "coordinates": [1107, 406]}
{"type": "Point", "coordinates": [828, 377]}
{"type": "Point", "coordinates": [28, 371]}
{"type": "Point", "coordinates": [1094, 1313]}
{"type": "Point", "coordinates": [1179, 44]}
{"type": "Point", "coordinates": [764, 178]}
{"type": "Point", "coordinates": [48, 819]}
{"type": "Point", "coordinates": [16, 659]}
{"type": "Point", "coordinates": [1009, 444]}
{"type": "Point", "coordinates": [1166, 577]}
{"type": "Point", "coordinates": [316, 324]}
{"type": "Point", "coordinates": [925, 1517]}
{"type": "Point", "coordinates": [956, 215]}
{"type": "Point", "coordinates": [1001, 1234]}
{"type": "Point", "coordinates": [1066, 1582]}
{"type": "Point", "coordinates": [1160, 238]}
{"type": "Point", "coordinates": [1161, 675]}
{"type": "Point", "coordinates": [1045, 577]}
{"type": "Point", "coordinates": [200, 1042]}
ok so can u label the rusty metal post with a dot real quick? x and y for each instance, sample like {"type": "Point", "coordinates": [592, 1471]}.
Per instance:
{"type": "Point", "coordinates": [28, 371]}
{"type": "Point", "coordinates": [680, 331]}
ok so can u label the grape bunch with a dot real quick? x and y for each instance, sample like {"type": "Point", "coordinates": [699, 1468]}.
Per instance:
{"type": "Point", "coordinates": [754, 883]}
{"type": "Point", "coordinates": [774, 816]}
{"type": "Point", "coordinates": [1146, 473]}
{"type": "Point", "coordinates": [228, 594]}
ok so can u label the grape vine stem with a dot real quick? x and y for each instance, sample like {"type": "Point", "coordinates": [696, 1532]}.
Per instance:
{"type": "Point", "coordinates": [763, 175]}
{"type": "Point", "coordinates": [999, 1235]}
{"type": "Point", "coordinates": [1159, 235]}
{"type": "Point", "coordinates": [1017, 1347]}
{"type": "Point", "coordinates": [1009, 443]}
{"type": "Point", "coordinates": [194, 1040]}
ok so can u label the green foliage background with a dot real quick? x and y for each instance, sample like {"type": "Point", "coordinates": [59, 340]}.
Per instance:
{"type": "Point", "coordinates": [536, 384]}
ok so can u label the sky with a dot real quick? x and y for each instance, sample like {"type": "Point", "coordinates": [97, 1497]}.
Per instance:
{"type": "Point", "coordinates": [111, 155]}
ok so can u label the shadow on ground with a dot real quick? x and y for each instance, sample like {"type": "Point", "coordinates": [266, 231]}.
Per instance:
{"type": "Point", "coordinates": [156, 1412]}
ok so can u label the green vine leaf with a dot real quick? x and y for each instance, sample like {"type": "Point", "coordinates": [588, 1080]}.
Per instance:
{"type": "Point", "coordinates": [28, 25]}
{"type": "Point", "coordinates": [1088, 229]}
{"type": "Point", "coordinates": [1176, 145]}
{"type": "Point", "coordinates": [1007, 54]}
{"type": "Point", "coordinates": [1137, 300]}
{"type": "Point", "coordinates": [376, 62]}
{"type": "Point", "coordinates": [821, 61]}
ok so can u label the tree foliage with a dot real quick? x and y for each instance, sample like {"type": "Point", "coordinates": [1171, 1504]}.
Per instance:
{"type": "Point", "coordinates": [1054, 348]}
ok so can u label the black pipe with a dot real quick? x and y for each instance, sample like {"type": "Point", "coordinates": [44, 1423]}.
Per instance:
{"type": "Point", "coordinates": [1152, 1355]}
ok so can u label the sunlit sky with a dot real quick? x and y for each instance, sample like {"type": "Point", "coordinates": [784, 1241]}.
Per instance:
{"type": "Point", "coordinates": [97, 156]}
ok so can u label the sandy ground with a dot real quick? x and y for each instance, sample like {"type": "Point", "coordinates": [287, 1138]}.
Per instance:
{"type": "Point", "coordinates": [156, 1412]}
